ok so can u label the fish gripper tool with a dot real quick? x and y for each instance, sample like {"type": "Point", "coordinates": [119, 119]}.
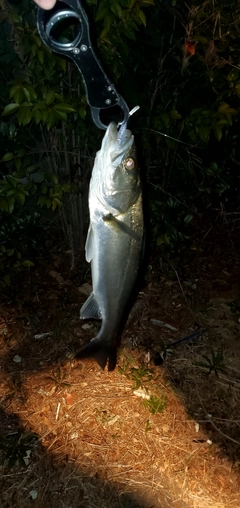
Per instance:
{"type": "Point", "coordinates": [65, 30]}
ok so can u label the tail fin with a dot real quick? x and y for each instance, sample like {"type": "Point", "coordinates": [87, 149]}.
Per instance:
{"type": "Point", "coordinates": [101, 352]}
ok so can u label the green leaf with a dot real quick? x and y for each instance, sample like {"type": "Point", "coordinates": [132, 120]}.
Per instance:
{"type": "Point", "coordinates": [53, 178]}
{"type": "Point", "coordinates": [66, 187]}
{"type": "Point", "coordinates": [11, 203]}
{"type": "Point", "coordinates": [27, 94]}
{"type": "Point", "coordinates": [27, 263]}
{"type": "Point", "coordinates": [37, 115]}
{"type": "Point", "coordinates": [32, 168]}
{"type": "Point", "coordinates": [155, 404]}
{"type": "Point", "coordinates": [103, 13]}
{"type": "Point", "coordinates": [200, 38]}
{"type": "Point", "coordinates": [61, 116]}
{"type": "Point", "coordinates": [82, 112]}
{"type": "Point", "coordinates": [62, 63]}
{"type": "Point", "coordinates": [4, 128]}
{"type": "Point", "coordinates": [3, 205]}
{"type": "Point", "coordinates": [20, 198]}
{"type": "Point", "coordinates": [223, 107]}
{"type": "Point", "coordinates": [51, 119]}
{"type": "Point", "coordinates": [12, 128]}
{"type": "Point", "coordinates": [188, 218]}
{"type": "Point", "coordinates": [24, 115]}
{"type": "Point", "coordinates": [27, 160]}
{"type": "Point", "coordinates": [39, 178]}
{"type": "Point", "coordinates": [21, 152]}
{"type": "Point", "coordinates": [14, 89]}
{"type": "Point", "coordinates": [42, 200]}
{"type": "Point", "coordinates": [166, 119]}
{"type": "Point", "coordinates": [204, 133]}
{"type": "Point", "coordinates": [31, 91]}
{"type": "Point", "coordinates": [20, 173]}
{"type": "Point", "coordinates": [40, 55]}
{"type": "Point", "coordinates": [17, 163]}
{"type": "Point", "coordinates": [55, 203]}
{"type": "Point", "coordinates": [22, 189]}
{"type": "Point", "coordinates": [218, 133]}
{"type": "Point", "coordinates": [45, 115]}
{"type": "Point", "coordinates": [11, 181]}
{"type": "Point", "coordinates": [142, 17]}
{"type": "Point", "coordinates": [10, 193]}
{"type": "Point", "coordinates": [50, 97]}
{"type": "Point", "coordinates": [10, 109]}
{"type": "Point", "coordinates": [19, 95]}
{"type": "Point", "coordinates": [8, 157]}
{"type": "Point", "coordinates": [62, 106]}
{"type": "Point", "coordinates": [223, 121]}
{"type": "Point", "coordinates": [116, 9]}
{"type": "Point", "coordinates": [175, 115]}
{"type": "Point", "coordinates": [44, 189]}
{"type": "Point", "coordinates": [7, 280]}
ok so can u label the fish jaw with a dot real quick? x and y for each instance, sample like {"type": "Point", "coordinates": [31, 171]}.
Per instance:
{"type": "Point", "coordinates": [115, 145]}
{"type": "Point", "coordinates": [115, 185]}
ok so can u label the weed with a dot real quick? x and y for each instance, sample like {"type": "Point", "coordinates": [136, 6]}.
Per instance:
{"type": "Point", "coordinates": [148, 426]}
{"type": "Point", "coordinates": [234, 306]}
{"type": "Point", "coordinates": [142, 377]}
{"type": "Point", "coordinates": [139, 375]}
{"type": "Point", "coordinates": [63, 326]}
{"type": "Point", "coordinates": [155, 404]}
{"type": "Point", "coordinates": [105, 418]}
{"type": "Point", "coordinates": [15, 448]}
{"type": "Point", "coordinates": [58, 379]}
{"type": "Point", "coordinates": [214, 364]}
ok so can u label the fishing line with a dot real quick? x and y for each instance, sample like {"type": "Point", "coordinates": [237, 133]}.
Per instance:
{"type": "Point", "coordinates": [166, 136]}
{"type": "Point", "coordinates": [161, 356]}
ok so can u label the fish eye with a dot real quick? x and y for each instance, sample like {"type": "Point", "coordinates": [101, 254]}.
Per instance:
{"type": "Point", "coordinates": [129, 163]}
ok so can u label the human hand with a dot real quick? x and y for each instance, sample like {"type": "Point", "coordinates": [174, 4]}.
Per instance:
{"type": "Point", "coordinates": [45, 4]}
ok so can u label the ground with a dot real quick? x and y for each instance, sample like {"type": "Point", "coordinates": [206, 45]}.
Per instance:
{"type": "Point", "coordinates": [162, 430]}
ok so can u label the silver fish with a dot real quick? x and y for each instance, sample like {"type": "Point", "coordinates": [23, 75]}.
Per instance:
{"type": "Point", "coordinates": [114, 242]}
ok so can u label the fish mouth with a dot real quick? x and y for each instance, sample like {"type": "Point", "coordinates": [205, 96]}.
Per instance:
{"type": "Point", "coordinates": [117, 143]}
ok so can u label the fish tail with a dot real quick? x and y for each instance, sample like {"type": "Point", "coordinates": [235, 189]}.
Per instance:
{"type": "Point", "coordinates": [101, 352]}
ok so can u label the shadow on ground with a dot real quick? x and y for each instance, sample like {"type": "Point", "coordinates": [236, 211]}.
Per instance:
{"type": "Point", "coordinates": [46, 482]}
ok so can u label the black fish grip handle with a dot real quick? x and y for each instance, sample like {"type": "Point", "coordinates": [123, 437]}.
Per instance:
{"type": "Point", "coordinates": [100, 92]}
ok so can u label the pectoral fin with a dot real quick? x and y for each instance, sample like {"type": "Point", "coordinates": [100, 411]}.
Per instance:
{"type": "Point", "coordinates": [120, 226]}
{"type": "Point", "coordinates": [90, 309]}
{"type": "Point", "coordinates": [89, 247]}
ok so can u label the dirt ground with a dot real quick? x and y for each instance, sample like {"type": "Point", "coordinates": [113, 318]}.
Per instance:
{"type": "Point", "coordinates": [162, 430]}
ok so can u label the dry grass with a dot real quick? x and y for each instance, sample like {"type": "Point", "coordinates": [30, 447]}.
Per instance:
{"type": "Point", "coordinates": [98, 445]}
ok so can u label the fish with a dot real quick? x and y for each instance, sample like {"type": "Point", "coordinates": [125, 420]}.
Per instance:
{"type": "Point", "coordinates": [114, 244]}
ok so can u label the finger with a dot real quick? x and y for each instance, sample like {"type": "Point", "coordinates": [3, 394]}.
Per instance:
{"type": "Point", "coordinates": [45, 4]}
